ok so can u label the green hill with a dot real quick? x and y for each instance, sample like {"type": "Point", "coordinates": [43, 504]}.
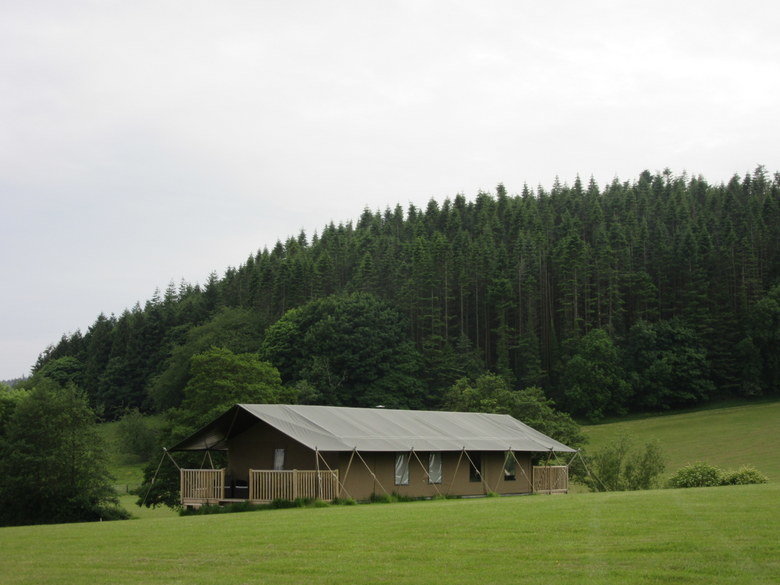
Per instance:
{"type": "Point", "coordinates": [728, 437]}
{"type": "Point", "coordinates": [669, 536]}
{"type": "Point", "coordinates": [643, 294]}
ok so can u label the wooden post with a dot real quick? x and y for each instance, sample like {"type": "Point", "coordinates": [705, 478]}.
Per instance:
{"type": "Point", "coordinates": [318, 486]}
{"type": "Point", "coordinates": [295, 484]}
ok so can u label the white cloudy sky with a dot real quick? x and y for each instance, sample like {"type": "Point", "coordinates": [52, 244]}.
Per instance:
{"type": "Point", "coordinates": [149, 141]}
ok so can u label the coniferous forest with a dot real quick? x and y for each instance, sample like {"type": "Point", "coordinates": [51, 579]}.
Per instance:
{"type": "Point", "coordinates": [648, 295]}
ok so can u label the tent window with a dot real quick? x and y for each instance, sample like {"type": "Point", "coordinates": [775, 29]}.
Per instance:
{"type": "Point", "coordinates": [402, 469]}
{"type": "Point", "coordinates": [278, 459]}
{"type": "Point", "coordinates": [434, 468]}
{"type": "Point", "coordinates": [475, 466]}
{"type": "Point", "coordinates": [510, 468]}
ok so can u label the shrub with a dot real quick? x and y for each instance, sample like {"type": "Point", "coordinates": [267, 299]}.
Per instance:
{"type": "Point", "coordinates": [744, 476]}
{"type": "Point", "coordinates": [616, 468]}
{"type": "Point", "coordinates": [380, 498]}
{"type": "Point", "coordinates": [137, 437]}
{"type": "Point", "coordinates": [391, 499]}
{"type": "Point", "coordinates": [643, 469]}
{"type": "Point", "coordinates": [697, 475]}
{"type": "Point", "coordinates": [52, 462]}
{"type": "Point", "coordinates": [108, 512]}
{"type": "Point", "coordinates": [227, 509]}
{"type": "Point", "coordinates": [281, 503]}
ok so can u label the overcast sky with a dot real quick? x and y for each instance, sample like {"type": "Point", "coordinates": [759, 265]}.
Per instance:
{"type": "Point", "coordinates": [149, 141]}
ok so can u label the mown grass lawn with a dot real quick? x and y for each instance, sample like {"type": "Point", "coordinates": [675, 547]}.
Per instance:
{"type": "Point", "coordinates": [728, 437]}
{"type": "Point", "coordinates": [711, 535]}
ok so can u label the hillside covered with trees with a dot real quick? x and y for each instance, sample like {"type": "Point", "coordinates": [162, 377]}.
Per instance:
{"type": "Point", "coordinates": [647, 295]}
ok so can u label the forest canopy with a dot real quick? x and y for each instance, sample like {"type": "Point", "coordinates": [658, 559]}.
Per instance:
{"type": "Point", "coordinates": [646, 295]}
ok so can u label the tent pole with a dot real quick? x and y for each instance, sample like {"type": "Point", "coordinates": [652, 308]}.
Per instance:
{"type": "Point", "coordinates": [349, 466]}
{"type": "Point", "coordinates": [502, 471]}
{"type": "Point", "coordinates": [589, 473]}
{"type": "Point", "coordinates": [428, 475]}
{"type": "Point", "coordinates": [341, 485]}
{"type": "Point", "coordinates": [372, 473]}
{"type": "Point", "coordinates": [171, 458]}
{"type": "Point", "coordinates": [154, 477]}
{"type": "Point", "coordinates": [455, 473]}
{"type": "Point", "coordinates": [520, 465]}
{"type": "Point", "coordinates": [485, 486]}
{"type": "Point", "coordinates": [317, 467]}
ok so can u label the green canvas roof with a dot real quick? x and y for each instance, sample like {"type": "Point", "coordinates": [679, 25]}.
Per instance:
{"type": "Point", "coordinates": [336, 428]}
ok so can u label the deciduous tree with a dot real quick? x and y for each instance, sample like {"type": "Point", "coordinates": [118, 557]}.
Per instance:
{"type": "Point", "coordinates": [52, 461]}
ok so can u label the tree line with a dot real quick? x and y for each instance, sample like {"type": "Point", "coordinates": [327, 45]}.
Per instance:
{"type": "Point", "coordinates": [646, 295]}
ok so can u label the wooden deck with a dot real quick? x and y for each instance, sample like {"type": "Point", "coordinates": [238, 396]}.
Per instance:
{"type": "Point", "coordinates": [207, 486]}
{"type": "Point", "coordinates": [265, 486]}
{"type": "Point", "coordinates": [202, 486]}
{"type": "Point", "coordinates": [551, 479]}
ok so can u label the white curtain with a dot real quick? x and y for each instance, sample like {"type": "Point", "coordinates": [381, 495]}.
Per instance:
{"type": "Point", "coordinates": [510, 467]}
{"type": "Point", "coordinates": [278, 459]}
{"type": "Point", "coordinates": [402, 469]}
{"type": "Point", "coordinates": [434, 467]}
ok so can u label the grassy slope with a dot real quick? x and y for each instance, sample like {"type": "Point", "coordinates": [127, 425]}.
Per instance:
{"type": "Point", "coordinates": [128, 475]}
{"type": "Point", "coordinates": [674, 536]}
{"type": "Point", "coordinates": [728, 437]}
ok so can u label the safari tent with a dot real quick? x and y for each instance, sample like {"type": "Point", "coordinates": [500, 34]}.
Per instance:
{"type": "Point", "coordinates": [296, 451]}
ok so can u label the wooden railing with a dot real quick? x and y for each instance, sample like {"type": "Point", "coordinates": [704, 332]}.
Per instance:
{"type": "Point", "coordinates": [202, 485]}
{"type": "Point", "coordinates": [551, 479]}
{"type": "Point", "coordinates": [265, 486]}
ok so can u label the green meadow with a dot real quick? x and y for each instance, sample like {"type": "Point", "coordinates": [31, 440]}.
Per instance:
{"type": "Point", "coordinates": [727, 436]}
{"type": "Point", "coordinates": [707, 535]}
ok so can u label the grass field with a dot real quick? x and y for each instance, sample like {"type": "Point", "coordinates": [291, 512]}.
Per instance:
{"type": "Point", "coordinates": [728, 437]}
{"type": "Point", "coordinates": [725, 535]}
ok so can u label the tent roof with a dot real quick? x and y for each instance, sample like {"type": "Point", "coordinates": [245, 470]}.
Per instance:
{"type": "Point", "coordinates": [337, 428]}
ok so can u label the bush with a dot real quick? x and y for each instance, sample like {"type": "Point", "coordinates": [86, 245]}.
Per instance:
{"type": "Point", "coordinates": [697, 475]}
{"type": "Point", "coordinates": [277, 504]}
{"type": "Point", "coordinates": [108, 512]}
{"type": "Point", "coordinates": [616, 468]}
{"type": "Point", "coordinates": [744, 476]}
{"type": "Point", "coordinates": [227, 509]}
{"type": "Point", "coordinates": [52, 461]}
{"type": "Point", "coordinates": [281, 503]}
{"type": "Point", "coordinates": [391, 498]}
{"type": "Point", "coordinates": [380, 498]}
{"type": "Point", "coordinates": [137, 437]}
{"type": "Point", "coordinates": [643, 469]}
